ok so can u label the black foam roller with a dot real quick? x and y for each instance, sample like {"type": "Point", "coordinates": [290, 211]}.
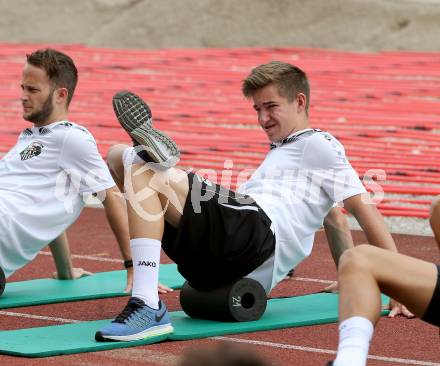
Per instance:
{"type": "Point", "coordinates": [240, 301]}
{"type": "Point", "coordinates": [2, 281]}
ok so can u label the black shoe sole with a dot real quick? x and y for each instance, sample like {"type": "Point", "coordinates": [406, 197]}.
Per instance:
{"type": "Point", "coordinates": [99, 337]}
{"type": "Point", "coordinates": [135, 117]}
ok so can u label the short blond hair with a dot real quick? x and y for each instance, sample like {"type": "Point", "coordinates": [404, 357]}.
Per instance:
{"type": "Point", "coordinates": [290, 80]}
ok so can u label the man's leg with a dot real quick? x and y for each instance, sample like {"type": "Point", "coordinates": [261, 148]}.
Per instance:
{"type": "Point", "coordinates": [434, 219]}
{"type": "Point", "coordinates": [365, 272]}
{"type": "Point", "coordinates": [170, 184]}
{"type": "Point", "coordinates": [115, 162]}
{"type": "Point", "coordinates": [152, 196]}
{"type": "Point", "coordinates": [155, 191]}
{"type": "Point", "coordinates": [148, 205]}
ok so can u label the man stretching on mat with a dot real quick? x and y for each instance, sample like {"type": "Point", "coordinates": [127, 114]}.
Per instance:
{"type": "Point", "coordinates": [45, 176]}
{"type": "Point", "coordinates": [364, 273]}
{"type": "Point", "coordinates": [216, 235]}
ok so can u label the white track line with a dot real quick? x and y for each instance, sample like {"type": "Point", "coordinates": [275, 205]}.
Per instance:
{"type": "Point", "coordinates": [90, 257]}
{"type": "Point", "coordinates": [326, 351]}
{"type": "Point", "coordinates": [39, 317]}
{"type": "Point", "coordinates": [305, 279]}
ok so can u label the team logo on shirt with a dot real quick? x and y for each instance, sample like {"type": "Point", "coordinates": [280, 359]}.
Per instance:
{"type": "Point", "coordinates": [34, 149]}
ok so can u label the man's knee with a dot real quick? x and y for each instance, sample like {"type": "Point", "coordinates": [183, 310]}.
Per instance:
{"type": "Point", "coordinates": [115, 159]}
{"type": "Point", "coordinates": [140, 174]}
{"type": "Point", "coordinates": [357, 258]}
{"type": "Point", "coordinates": [435, 208]}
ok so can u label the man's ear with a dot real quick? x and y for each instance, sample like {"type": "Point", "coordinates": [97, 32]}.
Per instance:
{"type": "Point", "coordinates": [302, 102]}
{"type": "Point", "coordinates": [61, 95]}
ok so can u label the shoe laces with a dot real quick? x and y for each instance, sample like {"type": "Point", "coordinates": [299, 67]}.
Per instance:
{"type": "Point", "coordinates": [133, 305]}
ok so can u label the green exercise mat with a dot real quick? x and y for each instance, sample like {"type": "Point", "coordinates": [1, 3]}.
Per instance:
{"type": "Point", "coordinates": [99, 285]}
{"type": "Point", "coordinates": [61, 340]}
{"type": "Point", "coordinates": [297, 311]}
{"type": "Point", "coordinates": [79, 337]}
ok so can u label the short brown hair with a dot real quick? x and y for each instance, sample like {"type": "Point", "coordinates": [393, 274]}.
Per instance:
{"type": "Point", "coordinates": [59, 67]}
{"type": "Point", "coordinates": [289, 79]}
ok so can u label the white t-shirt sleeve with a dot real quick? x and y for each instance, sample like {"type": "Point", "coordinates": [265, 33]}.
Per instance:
{"type": "Point", "coordinates": [82, 162]}
{"type": "Point", "coordinates": [325, 159]}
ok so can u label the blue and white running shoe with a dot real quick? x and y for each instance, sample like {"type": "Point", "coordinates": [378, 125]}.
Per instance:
{"type": "Point", "coordinates": [137, 321]}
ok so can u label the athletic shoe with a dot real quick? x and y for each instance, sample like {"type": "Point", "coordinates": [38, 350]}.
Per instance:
{"type": "Point", "coordinates": [137, 321]}
{"type": "Point", "coordinates": [150, 144]}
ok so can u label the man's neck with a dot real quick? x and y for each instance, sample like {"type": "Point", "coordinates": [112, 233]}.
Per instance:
{"type": "Point", "coordinates": [52, 119]}
{"type": "Point", "coordinates": [301, 127]}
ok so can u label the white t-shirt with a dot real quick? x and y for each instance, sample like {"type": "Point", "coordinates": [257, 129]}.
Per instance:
{"type": "Point", "coordinates": [43, 180]}
{"type": "Point", "coordinates": [296, 186]}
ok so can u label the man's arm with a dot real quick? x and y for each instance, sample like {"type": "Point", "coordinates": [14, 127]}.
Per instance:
{"type": "Point", "coordinates": [63, 263]}
{"type": "Point", "coordinates": [338, 233]}
{"type": "Point", "coordinates": [377, 233]}
{"type": "Point", "coordinates": [116, 212]}
{"type": "Point", "coordinates": [339, 238]}
{"type": "Point", "coordinates": [371, 221]}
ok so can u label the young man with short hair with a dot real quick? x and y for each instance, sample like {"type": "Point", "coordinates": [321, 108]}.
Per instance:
{"type": "Point", "coordinates": [216, 235]}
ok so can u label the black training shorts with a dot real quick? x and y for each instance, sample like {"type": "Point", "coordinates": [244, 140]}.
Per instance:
{"type": "Point", "coordinates": [432, 314]}
{"type": "Point", "coordinates": [222, 235]}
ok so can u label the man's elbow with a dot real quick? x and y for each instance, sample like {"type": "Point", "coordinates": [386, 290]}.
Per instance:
{"type": "Point", "coordinates": [107, 195]}
{"type": "Point", "coordinates": [336, 219]}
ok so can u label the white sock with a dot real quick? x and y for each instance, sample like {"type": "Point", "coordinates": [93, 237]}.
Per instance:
{"type": "Point", "coordinates": [355, 334]}
{"type": "Point", "coordinates": [146, 259]}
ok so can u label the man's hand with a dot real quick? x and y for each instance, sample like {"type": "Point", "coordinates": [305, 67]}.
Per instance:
{"type": "Point", "coordinates": [76, 273]}
{"type": "Point", "coordinates": [398, 309]}
{"type": "Point", "coordinates": [163, 289]}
